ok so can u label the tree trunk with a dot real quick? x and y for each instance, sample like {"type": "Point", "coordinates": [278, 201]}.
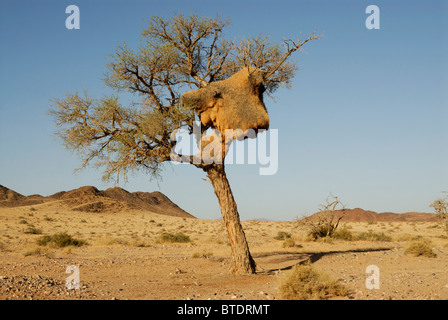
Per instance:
{"type": "Point", "coordinates": [241, 259]}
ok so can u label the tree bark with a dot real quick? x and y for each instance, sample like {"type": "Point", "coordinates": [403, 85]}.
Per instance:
{"type": "Point", "coordinates": [241, 259]}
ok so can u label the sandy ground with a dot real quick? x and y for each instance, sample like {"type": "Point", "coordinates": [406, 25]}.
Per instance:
{"type": "Point", "coordinates": [124, 261]}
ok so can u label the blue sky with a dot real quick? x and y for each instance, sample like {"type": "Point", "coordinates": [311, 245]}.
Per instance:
{"type": "Point", "coordinates": [366, 118]}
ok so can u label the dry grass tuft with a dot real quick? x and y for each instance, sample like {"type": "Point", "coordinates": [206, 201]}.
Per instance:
{"type": "Point", "coordinates": [173, 238]}
{"type": "Point", "coordinates": [282, 235]}
{"type": "Point", "coordinates": [289, 243]}
{"type": "Point", "coordinates": [203, 254]}
{"type": "Point", "coordinates": [39, 251]}
{"type": "Point", "coordinates": [60, 240]}
{"type": "Point", "coordinates": [33, 230]}
{"type": "Point", "coordinates": [373, 236]}
{"type": "Point", "coordinates": [420, 248]}
{"type": "Point", "coordinates": [303, 282]}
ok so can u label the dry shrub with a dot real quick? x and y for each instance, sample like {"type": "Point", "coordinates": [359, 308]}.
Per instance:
{"type": "Point", "coordinates": [203, 254]}
{"type": "Point", "coordinates": [328, 240]}
{"type": "Point", "coordinates": [39, 251]}
{"type": "Point", "coordinates": [408, 237]}
{"type": "Point", "coordinates": [420, 248]}
{"type": "Point", "coordinates": [173, 238]}
{"type": "Point", "coordinates": [441, 208]}
{"type": "Point", "coordinates": [61, 239]}
{"type": "Point", "coordinates": [289, 243]}
{"type": "Point", "coordinates": [282, 235]}
{"type": "Point", "coordinates": [343, 234]}
{"type": "Point", "coordinates": [110, 241]}
{"type": "Point", "coordinates": [373, 236]}
{"type": "Point", "coordinates": [303, 282]}
{"type": "Point", "coordinates": [140, 243]}
{"type": "Point", "coordinates": [33, 230]}
{"type": "Point", "coordinates": [325, 223]}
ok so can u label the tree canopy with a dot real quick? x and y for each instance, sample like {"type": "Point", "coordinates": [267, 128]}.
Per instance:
{"type": "Point", "coordinates": [174, 55]}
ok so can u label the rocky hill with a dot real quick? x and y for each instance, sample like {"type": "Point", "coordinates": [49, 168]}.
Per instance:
{"type": "Point", "coordinates": [90, 199]}
{"type": "Point", "coordinates": [361, 215]}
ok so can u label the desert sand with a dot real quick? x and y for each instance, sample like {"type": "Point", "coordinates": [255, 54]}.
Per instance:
{"type": "Point", "coordinates": [123, 257]}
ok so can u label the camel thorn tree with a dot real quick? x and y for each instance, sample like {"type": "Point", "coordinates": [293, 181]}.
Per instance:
{"type": "Point", "coordinates": [182, 70]}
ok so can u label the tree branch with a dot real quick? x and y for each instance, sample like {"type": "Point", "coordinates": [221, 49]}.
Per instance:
{"type": "Point", "coordinates": [289, 51]}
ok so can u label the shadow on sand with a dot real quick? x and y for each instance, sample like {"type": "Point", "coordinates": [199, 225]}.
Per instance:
{"type": "Point", "coordinates": [272, 262]}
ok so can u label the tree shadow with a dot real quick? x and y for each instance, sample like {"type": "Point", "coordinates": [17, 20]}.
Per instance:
{"type": "Point", "coordinates": [303, 257]}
